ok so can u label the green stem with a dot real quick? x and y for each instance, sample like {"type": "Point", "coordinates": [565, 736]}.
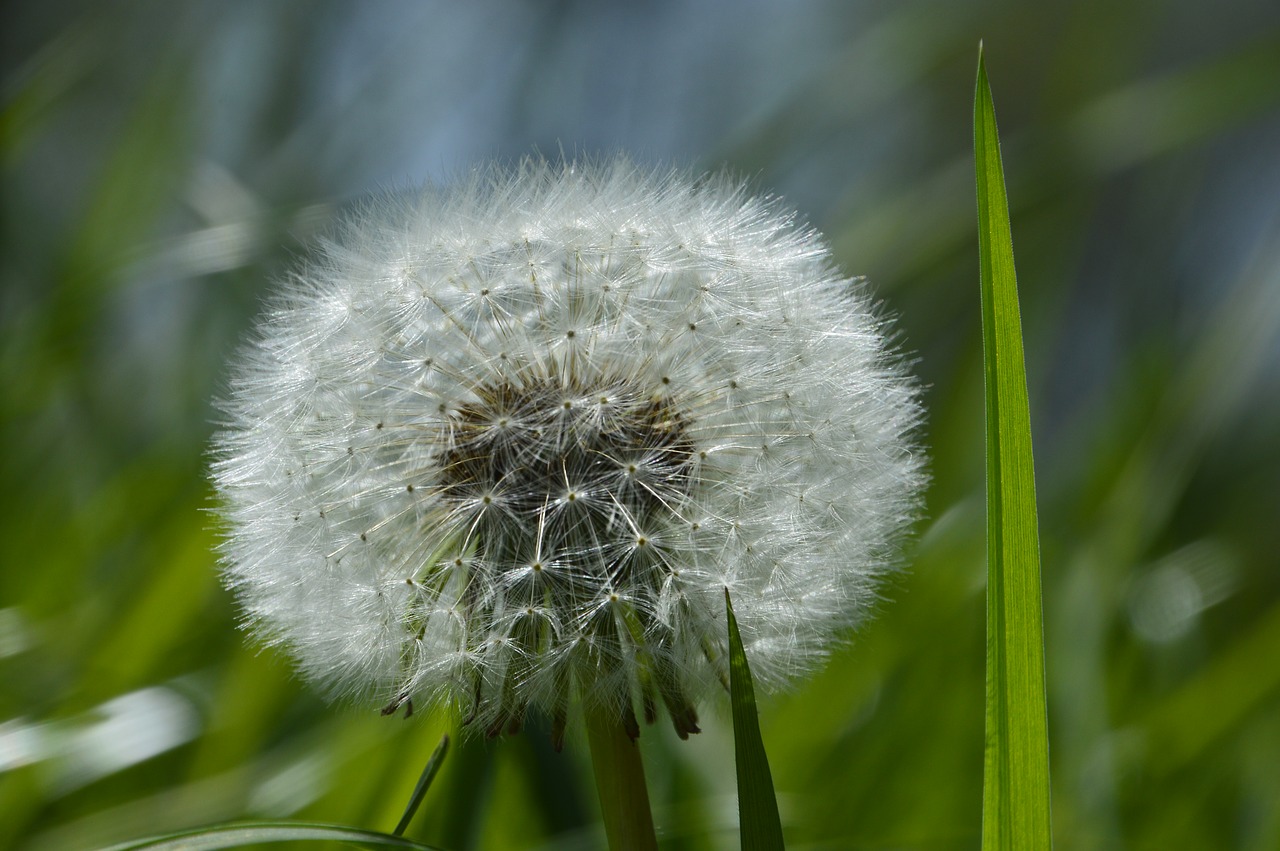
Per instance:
{"type": "Point", "coordinates": [624, 800]}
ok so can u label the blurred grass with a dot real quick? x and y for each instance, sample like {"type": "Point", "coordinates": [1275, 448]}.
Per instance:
{"type": "Point", "coordinates": [161, 163]}
{"type": "Point", "coordinates": [252, 835]}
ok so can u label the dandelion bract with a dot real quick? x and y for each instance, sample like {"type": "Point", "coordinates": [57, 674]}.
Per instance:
{"type": "Point", "coordinates": [504, 446]}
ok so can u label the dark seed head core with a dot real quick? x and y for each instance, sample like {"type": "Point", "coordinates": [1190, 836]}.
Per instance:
{"type": "Point", "coordinates": [626, 447]}
{"type": "Point", "coordinates": [636, 456]}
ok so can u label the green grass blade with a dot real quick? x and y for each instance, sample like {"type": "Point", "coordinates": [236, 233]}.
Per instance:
{"type": "Point", "coordinates": [757, 806]}
{"type": "Point", "coordinates": [1015, 797]}
{"type": "Point", "coordinates": [424, 783]}
{"type": "Point", "coordinates": [254, 833]}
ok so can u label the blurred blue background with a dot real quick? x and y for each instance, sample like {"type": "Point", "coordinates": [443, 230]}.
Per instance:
{"type": "Point", "coordinates": [163, 162]}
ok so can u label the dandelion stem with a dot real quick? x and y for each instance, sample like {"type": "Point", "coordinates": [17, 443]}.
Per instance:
{"type": "Point", "coordinates": [624, 799]}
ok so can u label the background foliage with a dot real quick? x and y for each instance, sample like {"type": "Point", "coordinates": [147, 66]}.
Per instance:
{"type": "Point", "coordinates": [161, 162]}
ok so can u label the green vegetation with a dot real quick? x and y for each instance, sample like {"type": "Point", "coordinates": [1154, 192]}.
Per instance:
{"type": "Point", "coordinates": [161, 162]}
{"type": "Point", "coordinates": [758, 817]}
{"type": "Point", "coordinates": [1015, 800]}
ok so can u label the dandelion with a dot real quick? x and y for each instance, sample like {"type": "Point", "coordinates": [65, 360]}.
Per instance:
{"type": "Point", "coordinates": [503, 446]}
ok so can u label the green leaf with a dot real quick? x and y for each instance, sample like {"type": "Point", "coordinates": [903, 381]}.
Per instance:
{"type": "Point", "coordinates": [757, 806]}
{"type": "Point", "coordinates": [252, 833]}
{"type": "Point", "coordinates": [1015, 798]}
{"type": "Point", "coordinates": [424, 783]}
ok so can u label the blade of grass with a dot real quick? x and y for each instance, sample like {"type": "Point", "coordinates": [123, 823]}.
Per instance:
{"type": "Point", "coordinates": [424, 783]}
{"type": "Point", "coordinates": [254, 833]}
{"type": "Point", "coordinates": [757, 805]}
{"type": "Point", "coordinates": [1015, 796]}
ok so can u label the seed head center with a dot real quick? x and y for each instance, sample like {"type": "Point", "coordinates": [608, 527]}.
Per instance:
{"type": "Point", "coordinates": [636, 462]}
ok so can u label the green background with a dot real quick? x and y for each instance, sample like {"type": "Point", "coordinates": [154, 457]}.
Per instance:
{"type": "Point", "coordinates": [162, 162]}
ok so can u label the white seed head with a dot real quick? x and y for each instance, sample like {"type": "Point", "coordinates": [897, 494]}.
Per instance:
{"type": "Point", "coordinates": [504, 445]}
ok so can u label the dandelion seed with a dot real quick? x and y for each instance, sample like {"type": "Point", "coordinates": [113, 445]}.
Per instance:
{"type": "Point", "coordinates": [503, 446]}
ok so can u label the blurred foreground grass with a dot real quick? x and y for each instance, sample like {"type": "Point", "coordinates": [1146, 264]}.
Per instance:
{"type": "Point", "coordinates": [160, 164]}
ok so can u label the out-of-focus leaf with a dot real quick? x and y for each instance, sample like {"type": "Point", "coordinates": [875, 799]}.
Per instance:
{"type": "Point", "coordinates": [237, 835]}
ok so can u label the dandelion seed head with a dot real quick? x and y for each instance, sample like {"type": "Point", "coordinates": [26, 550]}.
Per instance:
{"type": "Point", "coordinates": [504, 445]}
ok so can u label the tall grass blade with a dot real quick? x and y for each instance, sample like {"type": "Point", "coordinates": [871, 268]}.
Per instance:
{"type": "Point", "coordinates": [1015, 796]}
{"type": "Point", "coordinates": [757, 805]}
